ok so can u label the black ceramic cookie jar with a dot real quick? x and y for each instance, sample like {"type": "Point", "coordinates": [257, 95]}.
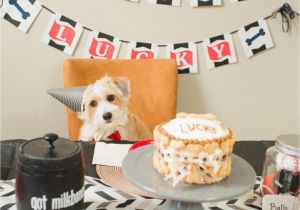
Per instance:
{"type": "Point", "coordinates": [50, 174]}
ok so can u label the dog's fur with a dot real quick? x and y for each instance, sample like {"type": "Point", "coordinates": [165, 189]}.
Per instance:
{"type": "Point", "coordinates": [110, 95]}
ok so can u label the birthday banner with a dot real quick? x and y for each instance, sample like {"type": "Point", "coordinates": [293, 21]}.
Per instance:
{"type": "Point", "coordinates": [193, 3]}
{"type": "Point", "coordinates": [64, 34]}
{"type": "Point", "coordinates": [140, 50]}
{"type": "Point", "coordinates": [101, 45]}
{"type": "Point", "coordinates": [199, 3]}
{"type": "Point", "coordinates": [20, 13]}
{"type": "Point", "coordinates": [185, 55]}
{"type": "Point", "coordinates": [219, 50]}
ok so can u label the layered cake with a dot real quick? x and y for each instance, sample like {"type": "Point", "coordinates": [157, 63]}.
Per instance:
{"type": "Point", "coordinates": [194, 149]}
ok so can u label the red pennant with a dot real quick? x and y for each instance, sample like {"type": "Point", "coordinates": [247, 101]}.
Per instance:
{"type": "Point", "coordinates": [184, 58]}
{"type": "Point", "coordinates": [141, 54]}
{"type": "Point", "coordinates": [101, 48]}
{"type": "Point", "coordinates": [62, 33]}
{"type": "Point", "coordinates": [219, 51]}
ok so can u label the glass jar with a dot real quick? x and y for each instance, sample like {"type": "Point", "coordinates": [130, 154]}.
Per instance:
{"type": "Point", "coordinates": [282, 166]}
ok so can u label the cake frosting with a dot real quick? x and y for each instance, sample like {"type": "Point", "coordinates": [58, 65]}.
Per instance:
{"type": "Point", "coordinates": [194, 149]}
{"type": "Point", "coordinates": [194, 128]}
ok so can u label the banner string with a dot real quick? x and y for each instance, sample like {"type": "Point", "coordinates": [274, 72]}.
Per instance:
{"type": "Point", "coordinates": [286, 12]}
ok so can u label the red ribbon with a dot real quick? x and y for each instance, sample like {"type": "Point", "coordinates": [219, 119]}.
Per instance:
{"type": "Point", "coordinates": [115, 136]}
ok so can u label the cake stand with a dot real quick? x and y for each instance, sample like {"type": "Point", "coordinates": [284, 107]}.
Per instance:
{"type": "Point", "coordinates": [138, 169]}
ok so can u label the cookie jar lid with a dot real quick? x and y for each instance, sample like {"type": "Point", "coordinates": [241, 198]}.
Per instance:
{"type": "Point", "coordinates": [289, 144]}
{"type": "Point", "coordinates": [50, 154]}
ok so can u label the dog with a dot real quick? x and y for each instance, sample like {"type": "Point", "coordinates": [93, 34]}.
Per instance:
{"type": "Point", "coordinates": [105, 115]}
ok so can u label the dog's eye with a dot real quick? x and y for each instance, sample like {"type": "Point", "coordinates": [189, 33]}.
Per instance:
{"type": "Point", "coordinates": [93, 103]}
{"type": "Point", "coordinates": [110, 98]}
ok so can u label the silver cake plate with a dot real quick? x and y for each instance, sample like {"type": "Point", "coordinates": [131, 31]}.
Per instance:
{"type": "Point", "coordinates": [138, 168]}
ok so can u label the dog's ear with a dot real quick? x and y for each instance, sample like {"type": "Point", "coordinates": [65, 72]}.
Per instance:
{"type": "Point", "coordinates": [87, 92]}
{"type": "Point", "coordinates": [124, 85]}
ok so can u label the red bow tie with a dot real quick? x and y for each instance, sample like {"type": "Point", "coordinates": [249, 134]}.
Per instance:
{"type": "Point", "coordinates": [115, 136]}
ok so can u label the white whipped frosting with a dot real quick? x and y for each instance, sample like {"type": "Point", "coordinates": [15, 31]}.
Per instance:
{"type": "Point", "coordinates": [195, 128]}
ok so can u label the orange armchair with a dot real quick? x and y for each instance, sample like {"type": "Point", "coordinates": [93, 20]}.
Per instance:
{"type": "Point", "coordinates": [153, 86]}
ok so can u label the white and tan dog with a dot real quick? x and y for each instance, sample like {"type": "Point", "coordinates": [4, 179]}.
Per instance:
{"type": "Point", "coordinates": [105, 113]}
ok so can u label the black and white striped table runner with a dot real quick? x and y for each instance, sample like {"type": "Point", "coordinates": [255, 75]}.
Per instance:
{"type": "Point", "coordinates": [98, 195]}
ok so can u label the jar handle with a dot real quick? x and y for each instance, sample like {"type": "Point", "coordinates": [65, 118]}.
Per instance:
{"type": "Point", "coordinates": [51, 137]}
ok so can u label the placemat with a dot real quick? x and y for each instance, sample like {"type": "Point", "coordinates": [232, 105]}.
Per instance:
{"type": "Point", "coordinates": [113, 176]}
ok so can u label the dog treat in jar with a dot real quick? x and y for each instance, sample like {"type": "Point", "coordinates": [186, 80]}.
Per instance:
{"type": "Point", "coordinates": [282, 167]}
{"type": "Point", "coordinates": [50, 174]}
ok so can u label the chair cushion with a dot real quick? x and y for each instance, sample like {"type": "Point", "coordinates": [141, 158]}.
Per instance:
{"type": "Point", "coordinates": [153, 86]}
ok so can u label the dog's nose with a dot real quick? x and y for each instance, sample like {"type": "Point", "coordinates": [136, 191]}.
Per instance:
{"type": "Point", "coordinates": [107, 116]}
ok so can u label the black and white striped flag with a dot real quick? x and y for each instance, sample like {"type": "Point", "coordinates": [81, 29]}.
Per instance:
{"type": "Point", "coordinates": [234, 1]}
{"type": "Point", "coordinates": [199, 3]}
{"type": "Point", "coordinates": [101, 45]}
{"type": "Point", "coordinates": [20, 13]}
{"type": "Point", "coordinates": [98, 195]}
{"type": "Point", "coordinates": [185, 55]}
{"type": "Point", "coordinates": [255, 37]}
{"type": "Point", "coordinates": [166, 2]}
{"type": "Point", "coordinates": [62, 33]}
{"type": "Point", "coordinates": [219, 50]}
{"type": "Point", "coordinates": [140, 50]}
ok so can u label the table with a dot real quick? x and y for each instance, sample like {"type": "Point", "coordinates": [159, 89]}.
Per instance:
{"type": "Point", "coordinates": [99, 195]}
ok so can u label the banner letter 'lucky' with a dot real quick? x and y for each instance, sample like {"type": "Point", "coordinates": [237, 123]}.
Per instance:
{"type": "Point", "coordinates": [62, 33]}
{"type": "Point", "coordinates": [199, 3]}
{"type": "Point", "coordinates": [219, 50]}
{"type": "Point", "coordinates": [101, 45]}
{"type": "Point", "coordinates": [166, 2]}
{"type": "Point", "coordinates": [140, 50]}
{"type": "Point", "coordinates": [185, 55]}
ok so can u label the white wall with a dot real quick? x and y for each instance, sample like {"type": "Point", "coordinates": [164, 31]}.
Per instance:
{"type": "Point", "coordinates": [258, 97]}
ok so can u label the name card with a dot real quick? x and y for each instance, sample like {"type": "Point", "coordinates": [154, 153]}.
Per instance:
{"type": "Point", "coordinates": [280, 202]}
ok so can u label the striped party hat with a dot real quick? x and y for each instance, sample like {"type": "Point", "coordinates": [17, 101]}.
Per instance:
{"type": "Point", "coordinates": [70, 97]}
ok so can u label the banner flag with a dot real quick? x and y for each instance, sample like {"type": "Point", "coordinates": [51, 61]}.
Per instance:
{"type": "Point", "coordinates": [234, 1]}
{"type": "Point", "coordinates": [21, 13]}
{"type": "Point", "coordinates": [62, 33]}
{"type": "Point", "coordinates": [166, 2]}
{"type": "Point", "coordinates": [101, 45]}
{"type": "Point", "coordinates": [199, 3]}
{"type": "Point", "coordinates": [140, 50]}
{"type": "Point", "coordinates": [219, 50]}
{"type": "Point", "coordinates": [185, 55]}
{"type": "Point", "coordinates": [255, 37]}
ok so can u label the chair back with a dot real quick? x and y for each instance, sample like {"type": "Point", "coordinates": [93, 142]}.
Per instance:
{"type": "Point", "coordinates": [153, 86]}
